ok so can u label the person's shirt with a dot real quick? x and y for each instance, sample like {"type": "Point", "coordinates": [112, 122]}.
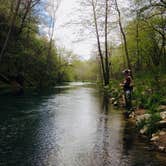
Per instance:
{"type": "Point", "coordinates": [127, 83]}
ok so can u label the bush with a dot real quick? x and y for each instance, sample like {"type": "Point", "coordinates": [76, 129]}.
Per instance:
{"type": "Point", "coordinates": [151, 123]}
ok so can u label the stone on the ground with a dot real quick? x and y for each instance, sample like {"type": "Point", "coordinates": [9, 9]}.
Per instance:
{"type": "Point", "coordinates": [163, 115]}
{"type": "Point", "coordinates": [112, 99]}
{"type": "Point", "coordinates": [154, 134]}
{"type": "Point", "coordinates": [144, 130]}
{"type": "Point", "coordinates": [162, 108]}
{"type": "Point", "coordinates": [162, 124]}
{"type": "Point", "coordinates": [162, 121]}
{"type": "Point", "coordinates": [142, 117]}
{"type": "Point", "coordinates": [115, 103]}
{"type": "Point", "coordinates": [154, 138]}
{"type": "Point", "coordinates": [159, 140]}
{"type": "Point", "coordinates": [162, 133]}
{"type": "Point", "coordinates": [161, 148]}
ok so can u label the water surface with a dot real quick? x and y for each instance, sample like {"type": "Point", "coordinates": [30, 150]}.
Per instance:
{"type": "Point", "coordinates": [71, 125]}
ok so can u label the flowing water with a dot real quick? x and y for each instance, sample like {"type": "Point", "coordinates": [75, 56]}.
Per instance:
{"type": "Point", "coordinates": [69, 126]}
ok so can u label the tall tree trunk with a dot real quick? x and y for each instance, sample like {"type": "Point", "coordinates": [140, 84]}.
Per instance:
{"type": "Point", "coordinates": [51, 29]}
{"type": "Point", "coordinates": [137, 43]}
{"type": "Point", "coordinates": [163, 37]}
{"type": "Point", "coordinates": [107, 69]}
{"type": "Point", "coordinates": [98, 41]}
{"type": "Point", "coordinates": [30, 4]}
{"type": "Point", "coordinates": [10, 29]}
{"type": "Point", "coordinates": [27, 10]}
{"type": "Point", "coordinates": [123, 35]}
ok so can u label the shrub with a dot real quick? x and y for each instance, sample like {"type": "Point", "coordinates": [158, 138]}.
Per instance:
{"type": "Point", "coordinates": [151, 123]}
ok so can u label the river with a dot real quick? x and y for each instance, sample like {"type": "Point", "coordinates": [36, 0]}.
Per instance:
{"type": "Point", "coordinates": [70, 125]}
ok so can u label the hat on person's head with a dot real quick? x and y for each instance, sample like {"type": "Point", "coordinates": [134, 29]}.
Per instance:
{"type": "Point", "coordinates": [126, 71]}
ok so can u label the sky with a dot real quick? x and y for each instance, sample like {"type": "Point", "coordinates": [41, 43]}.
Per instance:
{"type": "Point", "coordinates": [65, 34]}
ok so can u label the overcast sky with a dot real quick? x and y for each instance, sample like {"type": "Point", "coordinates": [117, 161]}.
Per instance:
{"type": "Point", "coordinates": [66, 36]}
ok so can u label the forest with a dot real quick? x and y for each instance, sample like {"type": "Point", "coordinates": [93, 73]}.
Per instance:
{"type": "Point", "coordinates": [30, 58]}
{"type": "Point", "coordinates": [128, 34]}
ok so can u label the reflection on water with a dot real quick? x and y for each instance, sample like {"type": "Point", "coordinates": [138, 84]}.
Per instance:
{"type": "Point", "coordinates": [69, 126]}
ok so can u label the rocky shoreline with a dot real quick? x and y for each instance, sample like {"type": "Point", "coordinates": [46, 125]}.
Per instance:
{"type": "Point", "coordinates": [158, 139]}
{"type": "Point", "coordinates": [141, 119]}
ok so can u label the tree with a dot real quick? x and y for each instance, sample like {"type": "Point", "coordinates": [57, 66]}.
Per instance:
{"type": "Point", "coordinates": [53, 5]}
{"type": "Point", "coordinates": [13, 19]}
{"type": "Point", "coordinates": [123, 35]}
{"type": "Point", "coordinates": [27, 7]}
{"type": "Point", "coordinates": [107, 66]}
{"type": "Point", "coordinates": [98, 41]}
{"type": "Point", "coordinates": [26, 51]}
{"type": "Point", "coordinates": [152, 12]}
{"type": "Point", "coordinates": [97, 23]}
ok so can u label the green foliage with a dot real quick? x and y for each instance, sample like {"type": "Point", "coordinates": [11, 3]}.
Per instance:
{"type": "Point", "coordinates": [145, 42]}
{"type": "Point", "coordinates": [84, 70]}
{"type": "Point", "coordinates": [146, 94]}
{"type": "Point", "coordinates": [151, 123]}
{"type": "Point", "coordinates": [29, 54]}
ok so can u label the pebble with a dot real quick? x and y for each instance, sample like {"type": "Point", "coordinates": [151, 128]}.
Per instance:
{"type": "Point", "coordinates": [155, 138]}
{"type": "Point", "coordinates": [144, 130]}
{"type": "Point", "coordinates": [163, 115]}
{"type": "Point", "coordinates": [143, 117]}
{"type": "Point", "coordinates": [162, 148]}
{"type": "Point", "coordinates": [162, 133]}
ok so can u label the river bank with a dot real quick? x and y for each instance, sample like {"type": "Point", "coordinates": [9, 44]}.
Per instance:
{"type": "Point", "coordinates": [148, 110]}
{"type": "Point", "coordinates": [153, 127]}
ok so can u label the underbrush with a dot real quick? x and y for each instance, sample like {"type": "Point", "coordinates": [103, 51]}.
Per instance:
{"type": "Point", "coordinates": [149, 125]}
{"type": "Point", "coordinates": [148, 94]}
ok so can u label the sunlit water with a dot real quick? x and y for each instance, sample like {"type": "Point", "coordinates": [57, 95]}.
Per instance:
{"type": "Point", "coordinates": [70, 126]}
